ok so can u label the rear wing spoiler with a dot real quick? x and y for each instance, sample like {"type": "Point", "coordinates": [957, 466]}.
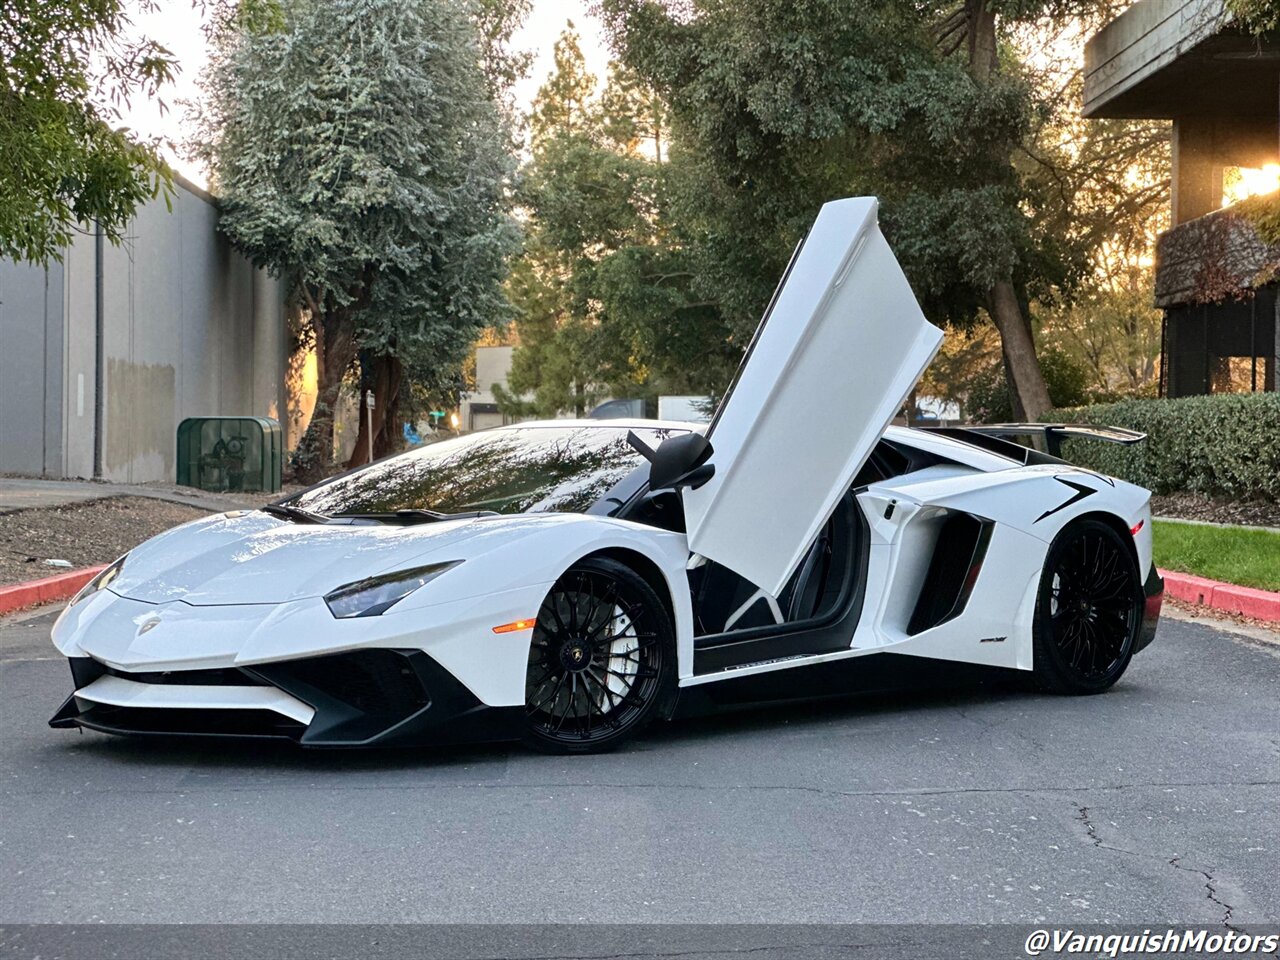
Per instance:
{"type": "Point", "coordinates": [996, 438]}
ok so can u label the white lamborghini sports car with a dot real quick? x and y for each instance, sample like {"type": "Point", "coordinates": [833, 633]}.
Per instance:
{"type": "Point", "coordinates": [567, 582]}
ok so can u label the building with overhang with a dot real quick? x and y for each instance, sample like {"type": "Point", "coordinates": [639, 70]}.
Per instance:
{"type": "Point", "coordinates": [1217, 266]}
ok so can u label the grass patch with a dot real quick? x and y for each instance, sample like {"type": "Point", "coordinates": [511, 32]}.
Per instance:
{"type": "Point", "coordinates": [1248, 558]}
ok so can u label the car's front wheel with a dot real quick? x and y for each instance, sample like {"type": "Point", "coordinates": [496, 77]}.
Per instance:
{"type": "Point", "coordinates": [601, 660]}
{"type": "Point", "coordinates": [1089, 610]}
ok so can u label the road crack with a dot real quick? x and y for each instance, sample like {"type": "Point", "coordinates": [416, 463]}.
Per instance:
{"type": "Point", "coordinates": [1211, 890]}
{"type": "Point", "coordinates": [1210, 884]}
{"type": "Point", "coordinates": [1082, 814]}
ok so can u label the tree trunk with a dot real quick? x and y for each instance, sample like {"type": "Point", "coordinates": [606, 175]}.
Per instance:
{"type": "Point", "coordinates": [335, 349]}
{"type": "Point", "coordinates": [981, 32]}
{"type": "Point", "coordinates": [334, 327]}
{"type": "Point", "coordinates": [1017, 412]}
{"type": "Point", "coordinates": [388, 376]}
{"type": "Point", "coordinates": [391, 438]}
{"type": "Point", "coordinates": [1027, 386]}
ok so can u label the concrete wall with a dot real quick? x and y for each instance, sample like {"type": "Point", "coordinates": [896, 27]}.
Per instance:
{"type": "Point", "coordinates": [479, 410]}
{"type": "Point", "coordinates": [493, 365]}
{"type": "Point", "coordinates": [31, 370]}
{"type": "Point", "coordinates": [1136, 65]}
{"type": "Point", "coordinates": [190, 329]}
{"type": "Point", "coordinates": [77, 401]}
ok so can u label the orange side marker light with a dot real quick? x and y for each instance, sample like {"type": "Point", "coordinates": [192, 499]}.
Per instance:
{"type": "Point", "coordinates": [515, 625]}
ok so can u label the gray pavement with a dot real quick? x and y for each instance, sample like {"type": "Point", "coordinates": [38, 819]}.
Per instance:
{"type": "Point", "coordinates": [1155, 803]}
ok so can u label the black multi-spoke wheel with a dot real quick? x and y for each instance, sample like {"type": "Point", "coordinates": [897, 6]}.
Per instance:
{"type": "Point", "coordinates": [600, 661]}
{"type": "Point", "coordinates": [1089, 611]}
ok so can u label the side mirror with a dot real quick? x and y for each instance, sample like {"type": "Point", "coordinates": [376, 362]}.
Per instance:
{"type": "Point", "coordinates": [679, 461]}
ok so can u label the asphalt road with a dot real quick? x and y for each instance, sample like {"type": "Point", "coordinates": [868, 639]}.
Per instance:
{"type": "Point", "coordinates": [1154, 803]}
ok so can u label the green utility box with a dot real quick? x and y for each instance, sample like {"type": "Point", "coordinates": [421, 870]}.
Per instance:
{"type": "Point", "coordinates": [230, 453]}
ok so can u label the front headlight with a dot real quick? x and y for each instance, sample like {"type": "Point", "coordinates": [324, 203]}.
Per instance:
{"type": "Point", "coordinates": [101, 581]}
{"type": "Point", "coordinates": [368, 598]}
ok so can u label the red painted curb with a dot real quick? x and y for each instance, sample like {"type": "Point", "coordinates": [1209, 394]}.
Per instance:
{"type": "Point", "coordinates": [59, 587]}
{"type": "Point", "coordinates": [1188, 587]}
{"type": "Point", "coordinates": [1259, 604]}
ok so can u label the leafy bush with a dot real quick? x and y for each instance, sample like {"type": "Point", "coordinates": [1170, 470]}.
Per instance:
{"type": "Point", "coordinates": [1224, 445]}
{"type": "Point", "coordinates": [988, 398]}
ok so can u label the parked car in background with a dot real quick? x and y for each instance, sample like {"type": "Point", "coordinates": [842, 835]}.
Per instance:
{"type": "Point", "coordinates": [627, 409]}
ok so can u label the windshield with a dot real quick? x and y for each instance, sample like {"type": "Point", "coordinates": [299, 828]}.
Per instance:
{"type": "Point", "coordinates": [521, 470]}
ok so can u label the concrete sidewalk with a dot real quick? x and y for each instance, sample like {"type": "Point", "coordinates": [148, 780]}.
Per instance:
{"type": "Point", "coordinates": [1210, 523]}
{"type": "Point", "coordinates": [20, 493]}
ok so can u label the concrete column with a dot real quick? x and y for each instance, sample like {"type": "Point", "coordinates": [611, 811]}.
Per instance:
{"type": "Point", "coordinates": [1175, 321]}
{"type": "Point", "coordinates": [270, 347]}
{"type": "Point", "coordinates": [1197, 169]}
{"type": "Point", "coordinates": [1271, 370]}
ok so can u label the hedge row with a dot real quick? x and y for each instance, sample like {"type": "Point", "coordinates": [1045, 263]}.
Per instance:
{"type": "Point", "coordinates": [1226, 445]}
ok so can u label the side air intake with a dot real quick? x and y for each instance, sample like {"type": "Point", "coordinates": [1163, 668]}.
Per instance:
{"type": "Point", "coordinates": [957, 558]}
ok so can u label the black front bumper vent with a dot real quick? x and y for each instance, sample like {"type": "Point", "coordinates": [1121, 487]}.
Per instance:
{"type": "Point", "coordinates": [362, 698]}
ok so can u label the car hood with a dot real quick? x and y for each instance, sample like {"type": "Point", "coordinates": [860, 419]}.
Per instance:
{"type": "Point", "coordinates": [253, 557]}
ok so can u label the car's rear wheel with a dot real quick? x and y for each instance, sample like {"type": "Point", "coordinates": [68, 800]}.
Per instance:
{"type": "Point", "coordinates": [1089, 610]}
{"type": "Point", "coordinates": [601, 660]}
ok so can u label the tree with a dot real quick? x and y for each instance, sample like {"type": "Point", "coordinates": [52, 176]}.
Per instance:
{"type": "Point", "coordinates": [1100, 189]}
{"type": "Point", "coordinates": [67, 70]}
{"type": "Point", "coordinates": [557, 189]}
{"type": "Point", "coordinates": [1003, 299]}
{"type": "Point", "coordinates": [965, 359]}
{"type": "Point", "coordinates": [359, 154]}
{"type": "Point", "coordinates": [1104, 190]}
{"type": "Point", "coordinates": [605, 291]}
{"type": "Point", "coordinates": [788, 103]}
{"type": "Point", "coordinates": [496, 23]}
{"type": "Point", "coordinates": [1259, 16]}
{"type": "Point", "coordinates": [1111, 330]}
{"type": "Point", "coordinates": [988, 399]}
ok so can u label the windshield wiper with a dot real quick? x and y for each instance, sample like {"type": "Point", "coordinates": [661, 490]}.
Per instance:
{"type": "Point", "coordinates": [420, 515]}
{"type": "Point", "coordinates": [296, 514]}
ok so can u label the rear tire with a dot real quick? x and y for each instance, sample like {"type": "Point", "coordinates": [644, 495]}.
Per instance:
{"type": "Point", "coordinates": [1089, 610]}
{"type": "Point", "coordinates": [601, 661]}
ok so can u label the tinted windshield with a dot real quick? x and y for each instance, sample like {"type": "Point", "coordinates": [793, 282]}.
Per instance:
{"type": "Point", "coordinates": [533, 469]}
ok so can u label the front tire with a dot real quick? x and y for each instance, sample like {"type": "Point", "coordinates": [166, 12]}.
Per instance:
{"type": "Point", "coordinates": [1089, 610]}
{"type": "Point", "coordinates": [601, 660]}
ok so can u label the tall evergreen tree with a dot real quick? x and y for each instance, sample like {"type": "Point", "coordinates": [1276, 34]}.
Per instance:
{"type": "Point", "coordinates": [359, 154]}
{"type": "Point", "coordinates": [603, 292]}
